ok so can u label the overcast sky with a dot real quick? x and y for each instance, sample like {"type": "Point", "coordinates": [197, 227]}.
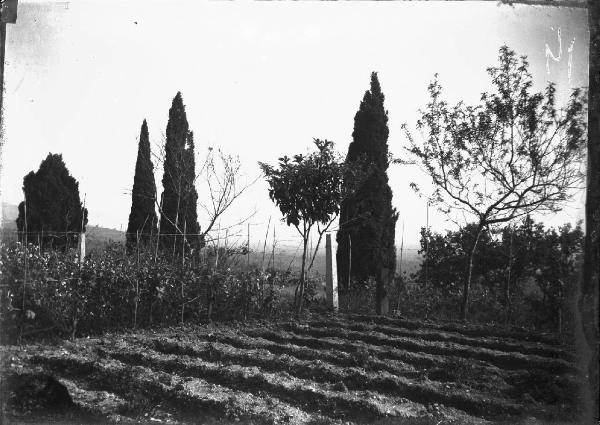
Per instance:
{"type": "Point", "coordinates": [259, 80]}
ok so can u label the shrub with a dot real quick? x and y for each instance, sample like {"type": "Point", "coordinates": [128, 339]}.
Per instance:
{"type": "Point", "coordinates": [115, 290]}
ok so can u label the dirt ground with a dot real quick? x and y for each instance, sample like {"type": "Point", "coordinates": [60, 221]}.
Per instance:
{"type": "Point", "coordinates": [348, 369]}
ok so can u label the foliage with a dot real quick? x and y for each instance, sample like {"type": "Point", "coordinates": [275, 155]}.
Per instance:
{"type": "Point", "coordinates": [513, 154]}
{"type": "Point", "coordinates": [52, 204]}
{"type": "Point", "coordinates": [142, 218]}
{"type": "Point", "coordinates": [367, 218]}
{"type": "Point", "coordinates": [308, 191]}
{"type": "Point", "coordinates": [359, 297]}
{"type": "Point", "coordinates": [444, 257]}
{"type": "Point", "coordinates": [525, 270]}
{"type": "Point", "coordinates": [179, 199]}
{"type": "Point", "coordinates": [115, 289]}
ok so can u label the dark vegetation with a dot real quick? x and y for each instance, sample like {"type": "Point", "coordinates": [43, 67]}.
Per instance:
{"type": "Point", "coordinates": [142, 218]}
{"type": "Point", "coordinates": [52, 212]}
{"type": "Point", "coordinates": [178, 204]}
{"type": "Point", "coordinates": [523, 273]}
{"type": "Point", "coordinates": [367, 219]}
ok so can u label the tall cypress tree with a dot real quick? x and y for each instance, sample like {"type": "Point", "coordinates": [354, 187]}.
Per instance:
{"type": "Point", "coordinates": [179, 210]}
{"type": "Point", "coordinates": [190, 201]}
{"type": "Point", "coordinates": [367, 218]}
{"type": "Point", "coordinates": [142, 217]}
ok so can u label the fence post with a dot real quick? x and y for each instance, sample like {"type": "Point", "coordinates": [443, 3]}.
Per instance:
{"type": "Point", "coordinates": [81, 248]}
{"type": "Point", "coordinates": [331, 287]}
{"type": "Point", "coordinates": [248, 249]}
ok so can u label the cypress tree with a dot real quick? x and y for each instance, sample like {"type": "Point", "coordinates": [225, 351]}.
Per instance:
{"type": "Point", "coordinates": [367, 218]}
{"type": "Point", "coordinates": [179, 211]}
{"type": "Point", "coordinates": [142, 217]}
{"type": "Point", "coordinates": [190, 201]}
{"type": "Point", "coordinates": [53, 205]}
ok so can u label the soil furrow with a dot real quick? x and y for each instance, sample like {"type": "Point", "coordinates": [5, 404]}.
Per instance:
{"type": "Point", "coordinates": [476, 374]}
{"type": "Point", "coordinates": [505, 345]}
{"type": "Point", "coordinates": [145, 386]}
{"type": "Point", "coordinates": [305, 394]}
{"type": "Point", "coordinates": [498, 358]}
{"type": "Point", "coordinates": [362, 349]}
{"type": "Point", "coordinates": [352, 378]}
{"type": "Point", "coordinates": [339, 358]}
{"type": "Point", "coordinates": [352, 353]}
{"type": "Point", "coordinates": [462, 328]}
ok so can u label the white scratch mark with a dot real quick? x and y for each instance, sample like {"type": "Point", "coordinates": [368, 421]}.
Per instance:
{"type": "Point", "coordinates": [549, 53]}
{"type": "Point", "coordinates": [570, 50]}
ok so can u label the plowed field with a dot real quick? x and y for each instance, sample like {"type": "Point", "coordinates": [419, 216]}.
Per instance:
{"type": "Point", "coordinates": [352, 369]}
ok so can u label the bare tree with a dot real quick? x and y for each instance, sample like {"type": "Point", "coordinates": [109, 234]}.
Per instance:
{"type": "Point", "coordinates": [514, 154]}
{"type": "Point", "coordinates": [220, 181]}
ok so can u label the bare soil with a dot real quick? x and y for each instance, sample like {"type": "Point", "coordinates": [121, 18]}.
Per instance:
{"type": "Point", "coordinates": [347, 369]}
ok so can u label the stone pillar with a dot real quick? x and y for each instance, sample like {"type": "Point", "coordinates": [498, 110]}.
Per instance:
{"type": "Point", "coordinates": [331, 287]}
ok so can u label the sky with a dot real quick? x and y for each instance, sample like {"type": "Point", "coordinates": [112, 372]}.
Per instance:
{"type": "Point", "coordinates": [259, 80]}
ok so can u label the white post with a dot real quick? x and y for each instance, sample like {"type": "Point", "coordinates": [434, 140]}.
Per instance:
{"type": "Point", "coordinates": [81, 248]}
{"type": "Point", "coordinates": [331, 287]}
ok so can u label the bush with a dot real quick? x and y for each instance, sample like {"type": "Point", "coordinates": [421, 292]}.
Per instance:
{"type": "Point", "coordinates": [359, 298]}
{"type": "Point", "coordinates": [114, 290]}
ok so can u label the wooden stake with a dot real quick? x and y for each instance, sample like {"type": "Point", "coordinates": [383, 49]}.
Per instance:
{"type": "Point", "coordinates": [262, 264]}
{"type": "Point", "coordinates": [401, 278]}
{"type": "Point", "coordinates": [183, 244]}
{"type": "Point", "coordinates": [248, 250]}
{"type": "Point", "coordinates": [24, 274]}
{"type": "Point", "coordinates": [158, 229]}
{"type": "Point", "coordinates": [273, 249]}
{"type": "Point", "coordinates": [218, 242]}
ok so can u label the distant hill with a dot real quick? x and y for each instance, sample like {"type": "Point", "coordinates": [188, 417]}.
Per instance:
{"type": "Point", "coordinates": [96, 237]}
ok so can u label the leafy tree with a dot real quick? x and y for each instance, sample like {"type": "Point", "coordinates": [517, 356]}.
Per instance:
{"type": "Point", "coordinates": [514, 154]}
{"type": "Point", "coordinates": [506, 259]}
{"type": "Point", "coordinates": [52, 204]}
{"type": "Point", "coordinates": [179, 200]}
{"type": "Point", "coordinates": [308, 191]}
{"type": "Point", "coordinates": [367, 218]}
{"type": "Point", "coordinates": [142, 218]}
{"type": "Point", "coordinates": [443, 265]}
{"type": "Point", "coordinates": [549, 256]}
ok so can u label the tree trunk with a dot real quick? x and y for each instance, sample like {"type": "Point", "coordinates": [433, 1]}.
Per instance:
{"type": "Point", "coordinates": [381, 298]}
{"type": "Point", "coordinates": [302, 278]}
{"type": "Point", "coordinates": [507, 286]}
{"type": "Point", "coordinates": [137, 279]}
{"type": "Point", "coordinates": [175, 229]}
{"type": "Point", "coordinates": [210, 299]}
{"type": "Point", "coordinates": [464, 308]}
